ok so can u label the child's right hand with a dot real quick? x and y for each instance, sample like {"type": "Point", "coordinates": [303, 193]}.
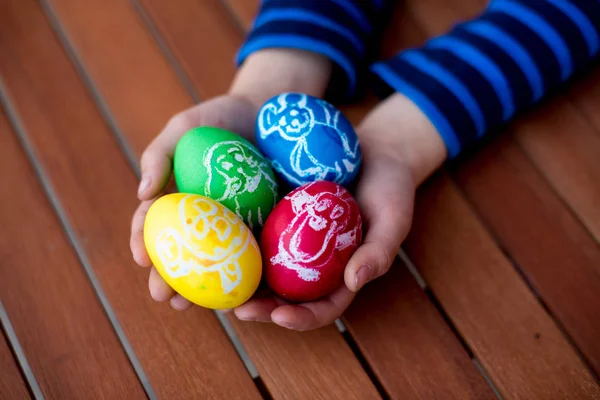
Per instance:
{"type": "Point", "coordinates": [229, 112]}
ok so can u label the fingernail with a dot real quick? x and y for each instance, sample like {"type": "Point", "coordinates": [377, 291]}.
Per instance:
{"type": "Point", "coordinates": [364, 275]}
{"type": "Point", "coordinates": [144, 184]}
{"type": "Point", "coordinates": [286, 324]}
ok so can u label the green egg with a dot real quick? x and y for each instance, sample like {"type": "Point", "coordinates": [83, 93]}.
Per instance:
{"type": "Point", "coordinates": [224, 166]}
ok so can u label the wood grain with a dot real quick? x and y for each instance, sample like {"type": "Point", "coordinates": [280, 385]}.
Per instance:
{"type": "Point", "coordinates": [565, 147]}
{"type": "Point", "coordinates": [52, 307]}
{"type": "Point", "coordinates": [556, 254]}
{"type": "Point", "coordinates": [12, 385]}
{"type": "Point", "coordinates": [244, 10]}
{"type": "Point", "coordinates": [517, 343]}
{"type": "Point", "coordinates": [182, 354]}
{"type": "Point", "coordinates": [92, 56]}
{"type": "Point", "coordinates": [314, 364]}
{"type": "Point", "coordinates": [203, 36]}
{"type": "Point", "coordinates": [408, 345]}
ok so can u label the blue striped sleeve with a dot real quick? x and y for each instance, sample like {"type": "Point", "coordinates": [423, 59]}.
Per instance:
{"type": "Point", "coordinates": [342, 30]}
{"type": "Point", "coordinates": [486, 70]}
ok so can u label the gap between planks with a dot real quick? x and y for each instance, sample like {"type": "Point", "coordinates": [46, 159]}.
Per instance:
{"type": "Point", "coordinates": [45, 183]}
{"type": "Point", "coordinates": [6, 326]}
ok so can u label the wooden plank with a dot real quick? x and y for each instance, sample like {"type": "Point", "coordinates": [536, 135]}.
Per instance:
{"type": "Point", "coordinates": [312, 364]}
{"type": "Point", "coordinates": [93, 57]}
{"type": "Point", "coordinates": [96, 189]}
{"type": "Point", "coordinates": [59, 322]}
{"type": "Point", "coordinates": [419, 357]}
{"type": "Point", "coordinates": [500, 319]}
{"type": "Point", "coordinates": [556, 254]}
{"type": "Point", "coordinates": [12, 385]}
{"type": "Point", "coordinates": [244, 10]}
{"type": "Point", "coordinates": [410, 348]}
{"type": "Point", "coordinates": [204, 38]}
{"type": "Point", "coordinates": [517, 343]}
{"type": "Point", "coordinates": [565, 147]}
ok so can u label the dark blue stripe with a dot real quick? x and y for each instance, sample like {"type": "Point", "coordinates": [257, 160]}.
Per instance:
{"type": "Point", "coordinates": [502, 48]}
{"type": "Point", "coordinates": [542, 29]}
{"type": "Point", "coordinates": [301, 15]}
{"type": "Point", "coordinates": [439, 72]}
{"type": "Point", "coordinates": [448, 104]}
{"type": "Point", "coordinates": [389, 79]}
{"type": "Point", "coordinates": [355, 11]}
{"type": "Point", "coordinates": [582, 21]}
{"type": "Point", "coordinates": [542, 55]}
{"type": "Point", "coordinates": [326, 8]}
{"type": "Point", "coordinates": [565, 27]}
{"type": "Point", "coordinates": [591, 9]}
{"type": "Point", "coordinates": [334, 39]}
{"type": "Point", "coordinates": [484, 64]}
{"type": "Point", "coordinates": [477, 84]}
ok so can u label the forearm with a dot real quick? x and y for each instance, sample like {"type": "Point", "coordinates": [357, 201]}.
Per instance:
{"type": "Point", "coordinates": [269, 72]}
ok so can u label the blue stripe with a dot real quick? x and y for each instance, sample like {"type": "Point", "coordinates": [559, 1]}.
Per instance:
{"type": "Point", "coordinates": [583, 23]}
{"type": "Point", "coordinates": [353, 10]}
{"type": "Point", "coordinates": [483, 64]}
{"type": "Point", "coordinates": [544, 30]}
{"type": "Point", "coordinates": [428, 107]}
{"type": "Point", "coordinates": [306, 16]}
{"type": "Point", "coordinates": [301, 42]}
{"type": "Point", "coordinates": [513, 49]}
{"type": "Point", "coordinates": [446, 78]}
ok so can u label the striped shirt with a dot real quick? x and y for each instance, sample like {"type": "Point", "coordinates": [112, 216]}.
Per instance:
{"type": "Point", "coordinates": [475, 77]}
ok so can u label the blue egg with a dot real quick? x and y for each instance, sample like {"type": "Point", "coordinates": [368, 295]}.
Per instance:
{"type": "Point", "coordinates": [307, 139]}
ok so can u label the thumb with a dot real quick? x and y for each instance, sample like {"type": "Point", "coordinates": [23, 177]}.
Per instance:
{"type": "Point", "coordinates": [385, 197]}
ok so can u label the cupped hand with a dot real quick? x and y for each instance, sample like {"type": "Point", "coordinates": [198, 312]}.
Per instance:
{"type": "Point", "coordinates": [229, 112]}
{"type": "Point", "coordinates": [385, 194]}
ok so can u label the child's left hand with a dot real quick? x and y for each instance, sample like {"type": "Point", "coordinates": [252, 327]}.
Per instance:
{"type": "Point", "coordinates": [400, 149]}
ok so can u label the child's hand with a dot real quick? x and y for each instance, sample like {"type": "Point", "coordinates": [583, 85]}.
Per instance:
{"type": "Point", "coordinates": [400, 149]}
{"type": "Point", "coordinates": [263, 75]}
{"type": "Point", "coordinates": [230, 112]}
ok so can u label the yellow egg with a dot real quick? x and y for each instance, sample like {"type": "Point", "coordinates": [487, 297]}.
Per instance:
{"type": "Point", "coordinates": [202, 250]}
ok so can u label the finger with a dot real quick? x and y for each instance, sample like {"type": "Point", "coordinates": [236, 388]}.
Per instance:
{"type": "Point", "coordinates": [258, 309]}
{"type": "Point", "coordinates": [136, 241]}
{"type": "Point", "coordinates": [180, 303]}
{"type": "Point", "coordinates": [156, 161]}
{"type": "Point", "coordinates": [316, 314]}
{"type": "Point", "coordinates": [159, 289]}
{"type": "Point", "coordinates": [387, 210]}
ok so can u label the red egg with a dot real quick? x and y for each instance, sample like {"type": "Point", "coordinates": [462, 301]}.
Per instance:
{"type": "Point", "coordinates": [308, 239]}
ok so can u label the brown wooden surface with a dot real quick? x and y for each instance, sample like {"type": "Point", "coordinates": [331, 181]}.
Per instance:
{"type": "Point", "coordinates": [517, 343]}
{"type": "Point", "coordinates": [50, 303]}
{"type": "Point", "coordinates": [12, 385]}
{"type": "Point", "coordinates": [407, 343]}
{"type": "Point", "coordinates": [554, 251]}
{"type": "Point", "coordinates": [314, 364]}
{"type": "Point", "coordinates": [97, 190]}
{"type": "Point", "coordinates": [537, 191]}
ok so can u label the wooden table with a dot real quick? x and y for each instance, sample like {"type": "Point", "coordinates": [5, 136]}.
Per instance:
{"type": "Point", "coordinates": [497, 292]}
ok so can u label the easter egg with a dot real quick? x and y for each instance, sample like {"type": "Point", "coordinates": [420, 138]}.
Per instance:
{"type": "Point", "coordinates": [227, 168]}
{"type": "Point", "coordinates": [202, 250]}
{"type": "Point", "coordinates": [308, 239]}
{"type": "Point", "coordinates": [307, 139]}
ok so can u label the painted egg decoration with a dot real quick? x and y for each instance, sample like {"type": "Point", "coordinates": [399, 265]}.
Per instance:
{"type": "Point", "coordinates": [308, 240]}
{"type": "Point", "coordinates": [227, 168]}
{"type": "Point", "coordinates": [307, 139]}
{"type": "Point", "coordinates": [202, 250]}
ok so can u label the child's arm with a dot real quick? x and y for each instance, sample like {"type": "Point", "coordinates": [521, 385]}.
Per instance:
{"type": "Point", "coordinates": [487, 70]}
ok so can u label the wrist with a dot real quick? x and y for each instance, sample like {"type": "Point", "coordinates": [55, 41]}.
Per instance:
{"type": "Point", "coordinates": [402, 131]}
{"type": "Point", "coordinates": [269, 72]}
